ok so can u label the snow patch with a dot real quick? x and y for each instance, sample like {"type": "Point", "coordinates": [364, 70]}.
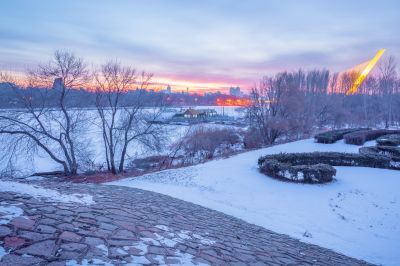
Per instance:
{"type": "Point", "coordinates": [204, 240]}
{"type": "Point", "coordinates": [86, 262]}
{"type": "Point", "coordinates": [166, 241]}
{"type": "Point", "coordinates": [395, 164]}
{"type": "Point", "coordinates": [162, 227]}
{"type": "Point", "coordinates": [159, 259]}
{"type": "Point", "coordinates": [140, 246]}
{"type": "Point", "coordinates": [40, 192]}
{"type": "Point", "coordinates": [34, 178]}
{"type": "Point", "coordinates": [185, 259]}
{"type": "Point", "coordinates": [180, 237]}
{"type": "Point", "coordinates": [103, 248]}
{"type": "Point", "coordinates": [9, 212]}
{"type": "Point", "coordinates": [135, 260]}
{"type": "Point", "coordinates": [121, 251]}
{"type": "Point", "coordinates": [3, 252]}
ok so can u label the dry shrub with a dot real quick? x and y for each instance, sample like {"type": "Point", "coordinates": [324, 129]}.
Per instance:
{"type": "Point", "coordinates": [206, 142]}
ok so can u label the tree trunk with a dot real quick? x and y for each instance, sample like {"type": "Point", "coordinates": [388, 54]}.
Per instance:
{"type": "Point", "coordinates": [122, 161]}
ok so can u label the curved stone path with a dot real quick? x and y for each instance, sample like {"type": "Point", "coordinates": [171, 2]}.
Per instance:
{"type": "Point", "coordinates": [127, 226]}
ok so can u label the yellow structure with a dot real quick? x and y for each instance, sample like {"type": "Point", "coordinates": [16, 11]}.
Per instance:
{"type": "Point", "coordinates": [365, 73]}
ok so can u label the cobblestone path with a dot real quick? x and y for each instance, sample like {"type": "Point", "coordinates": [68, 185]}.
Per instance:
{"type": "Point", "coordinates": [126, 226]}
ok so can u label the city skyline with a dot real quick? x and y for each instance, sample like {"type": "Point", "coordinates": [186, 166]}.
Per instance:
{"type": "Point", "coordinates": [201, 45]}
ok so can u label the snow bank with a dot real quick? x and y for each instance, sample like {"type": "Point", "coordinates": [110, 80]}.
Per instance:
{"type": "Point", "coordinates": [40, 192]}
{"type": "Point", "coordinates": [357, 215]}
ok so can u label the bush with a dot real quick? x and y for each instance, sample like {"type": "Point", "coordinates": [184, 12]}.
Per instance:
{"type": "Point", "coordinates": [360, 137]}
{"type": "Point", "coordinates": [207, 142]}
{"type": "Point", "coordinates": [252, 139]}
{"type": "Point", "coordinates": [392, 152]}
{"type": "Point", "coordinates": [334, 135]}
{"type": "Point", "coordinates": [389, 140]}
{"type": "Point", "coordinates": [331, 158]}
{"type": "Point", "coordinates": [149, 163]}
{"type": "Point", "coordinates": [318, 173]}
{"type": "Point", "coordinates": [316, 167]}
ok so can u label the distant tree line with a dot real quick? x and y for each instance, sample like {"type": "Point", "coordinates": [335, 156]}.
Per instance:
{"type": "Point", "coordinates": [299, 102]}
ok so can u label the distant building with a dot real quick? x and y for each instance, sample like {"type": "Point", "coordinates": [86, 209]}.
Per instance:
{"type": "Point", "coordinates": [167, 90]}
{"type": "Point", "coordinates": [235, 91]}
{"type": "Point", "coordinates": [207, 112]}
{"type": "Point", "coordinates": [217, 93]}
{"type": "Point", "coordinates": [191, 113]}
{"type": "Point", "coordinates": [197, 113]}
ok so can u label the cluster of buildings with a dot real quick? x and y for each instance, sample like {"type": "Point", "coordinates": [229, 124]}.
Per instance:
{"type": "Point", "coordinates": [191, 113]}
{"type": "Point", "coordinates": [233, 91]}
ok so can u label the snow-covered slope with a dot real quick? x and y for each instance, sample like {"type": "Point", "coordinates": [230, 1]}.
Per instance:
{"type": "Point", "coordinates": [358, 214]}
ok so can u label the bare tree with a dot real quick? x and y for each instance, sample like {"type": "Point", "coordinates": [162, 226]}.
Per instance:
{"type": "Point", "coordinates": [122, 113]}
{"type": "Point", "coordinates": [387, 85]}
{"type": "Point", "coordinates": [275, 104]}
{"type": "Point", "coordinates": [55, 128]}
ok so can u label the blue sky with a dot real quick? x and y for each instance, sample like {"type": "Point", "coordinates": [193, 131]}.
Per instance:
{"type": "Point", "coordinates": [210, 44]}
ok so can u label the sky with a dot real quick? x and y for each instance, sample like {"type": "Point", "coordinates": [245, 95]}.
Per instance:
{"type": "Point", "coordinates": [204, 45]}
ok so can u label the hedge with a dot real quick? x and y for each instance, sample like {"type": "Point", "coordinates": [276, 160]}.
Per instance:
{"type": "Point", "coordinates": [318, 173]}
{"type": "Point", "coordinates": [389, 140]}
{"type": "Point", "coordinates": [334, 135]}
{"type": "Point", "coordinates": [392, 152]}
{"type": "Point", "coordinates": [360, 137]}
{"type": "Point", "coordinates": [316, 167]}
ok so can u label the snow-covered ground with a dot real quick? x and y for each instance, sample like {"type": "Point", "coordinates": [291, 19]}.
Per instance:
{"type": "Point", "coordinates": [40, 192]}
{"type": "Point", "coordinates": [357, 215]}
{"type": "Point", "coordinates": [41, 162]}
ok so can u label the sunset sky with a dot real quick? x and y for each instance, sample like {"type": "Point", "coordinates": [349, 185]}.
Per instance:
{"type": "Point", "coordinates": [209, 45]}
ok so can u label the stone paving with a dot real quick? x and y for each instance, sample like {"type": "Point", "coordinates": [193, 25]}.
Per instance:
{"type": "Point", "coordinates": [127, 226]}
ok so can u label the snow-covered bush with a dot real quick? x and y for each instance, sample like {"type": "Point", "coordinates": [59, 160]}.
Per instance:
{"type": "Point", "coordinates": [316, 167]}
{"type": "Point", "coordinates": [389, 140]}
{"type": "Point", "coordinates": [318, 173]}
{"type": "Point", "coordinates": [331, 158]}
{"type": "Point", "coordinates": [334, 135]}
{"type": "Point", "coordinates": [390, 151]}
{"type": "Point", "coordinates": [360, 137]}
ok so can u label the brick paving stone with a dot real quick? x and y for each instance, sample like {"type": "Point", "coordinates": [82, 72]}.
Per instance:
{"type": "Point", "coordinates": [4, 231]}
{"type": "Point", "coordinates": [14, 260]}
{"type": "Point", "coordinates": [127, 225]}
{"type": "Point", "coordinates": [108, 226]}
{"type": "Point", "coordinates": [46, 229]}
{"type": "Point", "coordinates": [94, 241]}
{"type": "Point", "coordinates": [70, 236]}
{"type": "Point", "coordinates": [73, 247]}
{"type": "Point", "coordinates": [23, 223]}
{"type": "Point", "coordinates": [45, 248]}
{"type": "Point", "coordinates": [34, 236]}
{"type": "Point", "coordinates": [66, 226]}
{"type": "Point", "coordinates": [13, 242]}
